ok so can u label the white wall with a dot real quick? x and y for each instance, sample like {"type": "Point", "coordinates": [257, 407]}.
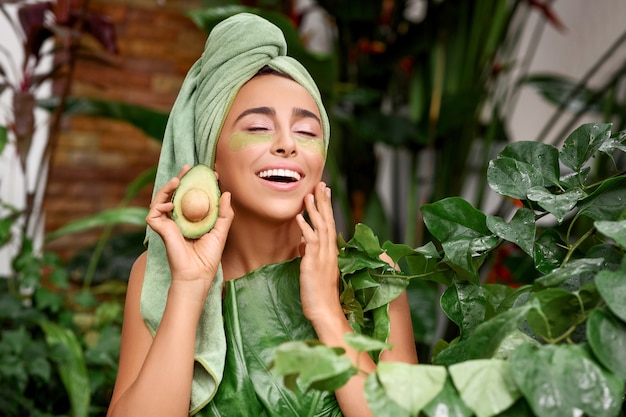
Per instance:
{"type": "Point", "coordinates": [14, 183]}
{"type": "Point", "coordinates": [591, 27]}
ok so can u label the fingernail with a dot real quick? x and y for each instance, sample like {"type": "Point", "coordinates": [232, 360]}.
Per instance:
{"type": "Point", "coordinates": [327, 191]}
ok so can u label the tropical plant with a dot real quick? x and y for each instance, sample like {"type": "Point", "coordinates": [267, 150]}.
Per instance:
{"type": "Point", "coordinates": [552, 344]}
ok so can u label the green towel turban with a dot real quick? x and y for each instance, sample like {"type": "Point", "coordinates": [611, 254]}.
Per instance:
{"type": "Point", "coordinates": [236, 49]}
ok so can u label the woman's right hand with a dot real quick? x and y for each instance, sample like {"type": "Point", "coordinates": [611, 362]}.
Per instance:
{"type": "Point", "coordinates": [194, 260]}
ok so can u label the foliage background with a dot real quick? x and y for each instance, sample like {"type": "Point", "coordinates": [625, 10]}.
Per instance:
{"type": "Point", "coordinates": [408, 98]}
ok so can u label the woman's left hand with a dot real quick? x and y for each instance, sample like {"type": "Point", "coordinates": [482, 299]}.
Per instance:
{"type": "Point", "coordinates": [319, 269]}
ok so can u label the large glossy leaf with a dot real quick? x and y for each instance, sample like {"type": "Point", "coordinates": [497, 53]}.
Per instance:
{"type": "Point", "coordinates": [565, 380]}
{"type": "Point", "coordinates": [573, 268]}
{"type": "Point", "coordinates": [389, 288]}
{"type": "Point", "coordinates": [513, 178]}
{"type": "Point", "coordinates": [486, 338]}
{"type": "Point", "coordinates": [607, 202]}
{"type": "Point", "coordinates": [485, 385]}
{"type": "Point", "coordinates": [452, 218]}
{"type": "Point", "coordinates": [612, 287]}
{"type": "Point", "coordinates": [72, 369]}
{"type": "Point", "coordinates": [379, 402]}
{"type": "Point", "coordinates": [556, 313]}
{"type": "Point", "coordinates": [465, 305]}
{"type": "Point", "coordinates": [411, 387]}
{"type": "Point", "coordinates": [583, 143]}
{"type": "Point", "coordinates": [540, 155]}
{"type": "Point", "coordinates": [466, 255]}
{"type": "Point", "coordinates": [616, 230]}
{"type": "Point", "coordinates": [132, 216]}
{"type": "Point", "coordinates": [447, 403]}
{"type": "Point", "coordinates": [423, 302]}
{"type": "Point", "coordinates": [520, 230]}
{"type": "Point", "coordinates": [314, 364]}
{"type": "Point", "coordinates": [428, 268]}
{"type": "Point", "coordinates": [607, 338]}
{"type": "Point", "coordinates": [559, 205]}
{"type": "Point", "coordinates": [549, 251]}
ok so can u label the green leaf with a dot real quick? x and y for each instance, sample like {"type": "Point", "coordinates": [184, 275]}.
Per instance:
{"type": "Point", "coordinates": [72, 370]}
{"type": "Point", "coordinates": [465, 305]}
{"type": "Point", "coordinates": [558, 205]}
{"type": "Point", "coordinates": [612, 287]}
{"type": "Point", "coordinates": [379, 402]}
{"type": "Point", "coordinates": [132, 216]}
{"type": "Point", "coordinates": [607, 202]}
{"type": "Point", "coordinates": [466, 255]}
{"type": "Point", "coordinates": [616, 230]}
{"type": "Point", "coordinates": [316, 365]}
{"type": "Point", "coordinates": [452, 218]}
{"type": "Point", "coordinates": [364, 239]}
{"type": "Point", "coordinates": [607, 338]}
{"type": "Point", "coordinates": [583, 143]}
{"type": "Point", "coordinates": [544, 157]}
{"type": "Point", "coordinates": [144, 179]}
{"type": "Point", "coordinates": [424, 308]}
{"type": "Point", "coordinates": [411, 386]}
{"type": "Point", "coordinates": [428, 268]}
{"type": "Point", "coordinates": [513, 178]}
{"type": "Point", "coordinates": [397, 251]}
{"type": "Point", "coordinates": [352, 260]}
{"type": "Point", "coordinates": [152, 122]}
{"type": "Point", "coordinates": [486, 338]}
{"type": "Point", "coordinates": [485, 385]}
{"type": "Point", "coordinates": [549, 251]}
{"type": "Point", "coordinates": [563, 92]}
{"type": "Point", "coordinates": [4, 138]}
{"type": "Point", "coordinates": [565, 380]}
{"type": "Point", "coordinates": [557, 312]}
{"type": "Point", "coordinates": [610, 145]}
{"type": "Point", "coordinates": [447, 403]}
{"type": "Point", "coordinates": [364, 343]}
{"type": "Point", "coordinates": [389, 288]}
{"type": "Point", "coordinates": [573, 268]}
{"type": "Point", "coordinates": [521, 229]}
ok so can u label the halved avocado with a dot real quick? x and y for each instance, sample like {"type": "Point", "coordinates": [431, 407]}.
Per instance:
{"type": "Point", "coordinates": [196, 202]}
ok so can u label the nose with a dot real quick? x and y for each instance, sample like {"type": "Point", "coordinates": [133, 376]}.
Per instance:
{"type": "Point", "coordinates": [284, 145]}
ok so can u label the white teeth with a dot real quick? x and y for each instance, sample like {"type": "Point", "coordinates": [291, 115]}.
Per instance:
{"type": "Point", "coordinates": [280, 173]}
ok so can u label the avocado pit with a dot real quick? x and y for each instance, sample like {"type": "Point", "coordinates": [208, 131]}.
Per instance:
{"type": "Point", "coordinates": [195, 204]}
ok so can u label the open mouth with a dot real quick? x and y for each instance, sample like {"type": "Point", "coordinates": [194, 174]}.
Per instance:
{"type": "Point", "coordinates": [280, 175]}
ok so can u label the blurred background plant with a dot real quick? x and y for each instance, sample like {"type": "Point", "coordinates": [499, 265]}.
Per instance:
{"type": "Point", "coordinates": [59, 344]}
{"type": "Point", "coordinates": [420, 95]}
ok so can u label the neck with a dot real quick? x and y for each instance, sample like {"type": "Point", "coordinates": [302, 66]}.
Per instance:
{"type": "Point", "coordinates": [253, 244]}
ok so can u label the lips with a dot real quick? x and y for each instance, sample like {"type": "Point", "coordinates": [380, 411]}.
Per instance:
{"type": "Point", "coordinates": [280, 175]}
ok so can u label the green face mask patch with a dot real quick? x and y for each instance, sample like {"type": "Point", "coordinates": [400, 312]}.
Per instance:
{"type": "Point", "coordinates": [241, 140]}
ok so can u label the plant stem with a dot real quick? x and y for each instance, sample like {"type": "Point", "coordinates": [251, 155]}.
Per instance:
{"type": "Point", "coordinates": [571, 250]}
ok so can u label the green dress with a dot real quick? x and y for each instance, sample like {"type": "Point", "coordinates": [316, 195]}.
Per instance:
{"type": "Point", "coordinates": [262, 310]}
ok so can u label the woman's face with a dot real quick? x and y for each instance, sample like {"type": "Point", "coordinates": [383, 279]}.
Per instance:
{"type": "Point", "coordinates": [270, 153]}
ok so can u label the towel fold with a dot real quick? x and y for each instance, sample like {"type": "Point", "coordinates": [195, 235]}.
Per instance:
{"type": "Point", "coordinates": [236, 49]}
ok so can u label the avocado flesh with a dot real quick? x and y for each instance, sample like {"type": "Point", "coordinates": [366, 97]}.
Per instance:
{"type": "Point", "coordinates": [196, 202]}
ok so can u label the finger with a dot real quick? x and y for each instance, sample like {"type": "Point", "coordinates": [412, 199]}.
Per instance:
{"type": "Point", "coordinates": [184, 170]}
{"type": "Point", "coordinates": [309, 235]}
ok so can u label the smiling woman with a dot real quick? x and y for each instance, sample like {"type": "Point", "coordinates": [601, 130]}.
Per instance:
{"type": "Point", "coordinates": [204, 316]}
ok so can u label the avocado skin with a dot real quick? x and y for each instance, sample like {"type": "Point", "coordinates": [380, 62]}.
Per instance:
{"type": "Point", "coordinates": [199, 176]}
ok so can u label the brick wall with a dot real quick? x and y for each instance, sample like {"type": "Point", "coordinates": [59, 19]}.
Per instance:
{"type": "Point", "coordinates": [96, 159]}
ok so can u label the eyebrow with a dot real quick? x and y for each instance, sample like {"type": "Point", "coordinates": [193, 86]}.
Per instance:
{"type": "Point", "coordinates": [303, 113]}
{"type": "Point", "coordinates": [257, 110]}
{"type": "Point", "coordinates": [297, 112]}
